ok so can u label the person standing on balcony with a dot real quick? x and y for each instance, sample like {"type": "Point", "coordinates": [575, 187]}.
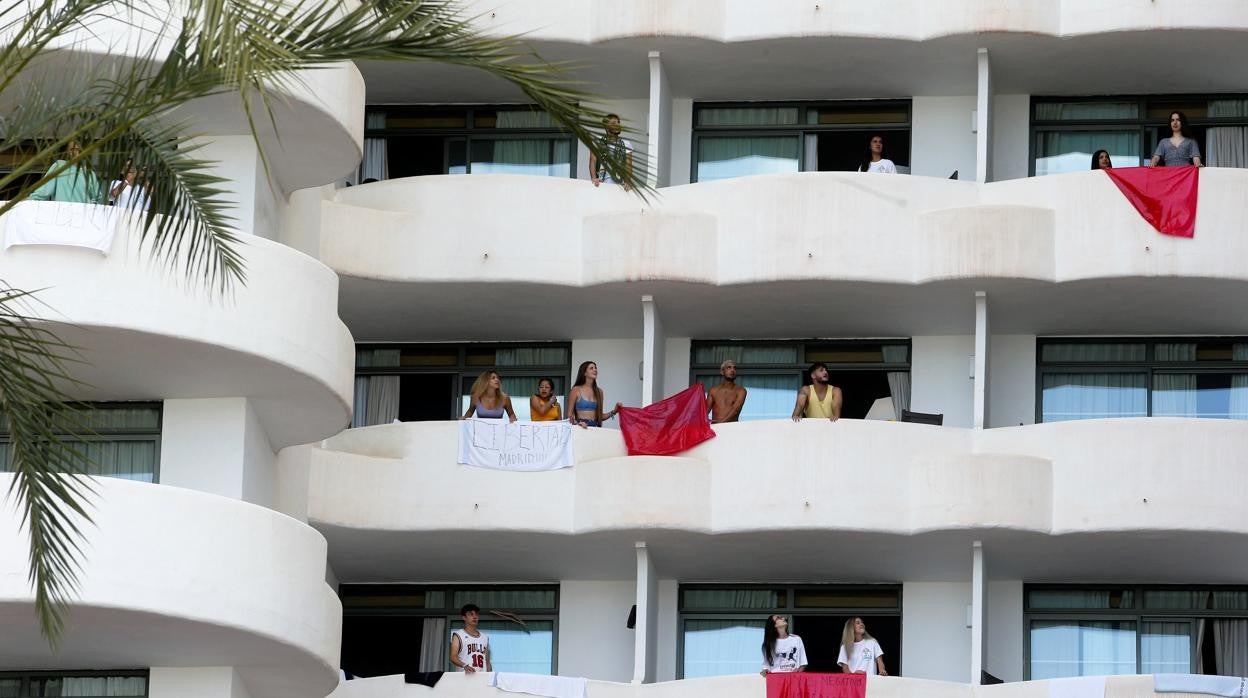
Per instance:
{"type": "Point", "coordinates": [818, 399]}
{"type": "Point", "coordinates": [585, 398]}
{"type": "Point", "coordinates": [875, 160]}
{"type": "Point", "coordinates": [727, 398]}
{"type": "Point", "coordinates": [544, 406]}
{"type": "Point", "coordinates": [782, 653]}
{"type": "Point", "coordinates": [487, 400]}
{"type": "Point", "coordinates": [860, 653]}
{"type": "Point", "coordinates": [1180, 148]}
{"type": "Point", "coordinates": [129, 192]}
{"type": "Point", "coordinates": [619, 150]}
{"type": "Point", "coordinates": [1101, 161]}
{"type": "Point", "coordinates": [470, 648]}
{"type": "Point", "coordinates": [74, 183]}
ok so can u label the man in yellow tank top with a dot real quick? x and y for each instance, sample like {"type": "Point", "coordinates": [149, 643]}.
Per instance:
{"type": "Point", "coordinates": [819, 399]}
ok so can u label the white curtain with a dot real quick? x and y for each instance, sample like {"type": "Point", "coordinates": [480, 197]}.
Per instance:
{"type": "Point", "coordinates": [1094, 396]}
{"type": "Point", "coordinates": [434, 641]}
{"type": "Point", "coordinates": [1166, 647]}
{"type": "Point", "coordinates": [1174, 395]}
{"type": "Point", "coordinates": [1227, 146]}
{"type": "Point", "coordinates": [376, 162]}
{"type": "Point", "coordinates": [103, 686]}
{"type": "Point", "coordinates": [723, 647]}
{"type": "Point", "coordinates": [382, 400]}
{"type": "Point", "coordinates": [898, 381]}
{"type": "Point", "coordinates": [723, 157]}
{"type": "Point", "coordinates": [731, 598]}
{"type": "Point", "coordinates": [812, 153]}
{"type": "Point", "coordinates": [748, 116]}
{"type": "Point", "coordinates": [770, 354]}
{"type": "Point", "coordinates": [1230, 645]}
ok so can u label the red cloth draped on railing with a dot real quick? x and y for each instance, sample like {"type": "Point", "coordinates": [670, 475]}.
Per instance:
{"type": "Point", "coordinates": [672, 425]}
{"type": "Point", "coordinates": [1164, 196]}
{"type": "Point", "coordinates": [803, 684]}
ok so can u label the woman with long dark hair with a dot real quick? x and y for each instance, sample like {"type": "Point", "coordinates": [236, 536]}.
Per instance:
{"type": "Point", "coordinates": [782, 653]}
{"type": "Point", "coordinates": [585, 399]}
{"type": "Point", "coordinates": [875, 160]}
{"type": "Point", "coordinates": [860, 653]}
{"type": "Point", "coordinates": [1180, 148]}
{"type": "Point", "coordinates": [1101, 161]}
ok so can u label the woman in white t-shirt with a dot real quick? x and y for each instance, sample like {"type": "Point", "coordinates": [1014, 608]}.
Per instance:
{"type": "Point", "coordinates": [876, 162]}
{"type": "Point", "coordinates": [782, 653]}
{"type": "Point", "coordinates": [860, 653]}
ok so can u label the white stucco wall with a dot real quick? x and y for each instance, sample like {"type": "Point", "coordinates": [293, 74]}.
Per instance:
{"type": "Point", "coordinates": [676, 365]}
{"type": "Point", "coordinates": [1010, 129]}
{"type": "Point", "coordinates": [239, 164]}
{"type": "Point", "coordinates": [669, 628]}
{"type": "Point", "coordinates": [217, 445]}
{"type": "Point", "coordinates": [941, 139]}
{"type": "Point", "coordinates": [682, 140]}
{"type": "Point", "coordinates": [1005, 629]}
{"type": "Point", "coordinates": [259, 462]}
{"type": "Point", "coordinates": [940, 377]}
{"type": "Point", "coordinates": [936, 644]}
{"type": "Point", "coordinates": [1012, 380]}
{"type": "Point", "coordinates": [618, 369]}
{"type": "Point", "coordinates": [594, 641]}
{"type": "Point", "coordinates": [196, 682]}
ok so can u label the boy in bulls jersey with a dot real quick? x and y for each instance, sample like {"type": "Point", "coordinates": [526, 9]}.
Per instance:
{"type": "Point", "coordinates": [470, 648]}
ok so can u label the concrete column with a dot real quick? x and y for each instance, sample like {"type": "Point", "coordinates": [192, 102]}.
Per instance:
{"type": "Point", "coordinates": [217, 445]}
{"type": "Point", "coordinates": [196, 682]}
{"type": "Point", "coordinates": [659, 126]}
{"type": "Point", "coordinates": [983, 118]}
{"type": "Point", "coordinates": [258, 202]}
{"type": "Point", "coordinates": [980, 369]}
{"type": "Point", "coordinates": [653, 345]}
{"type": "Point", "coordinates": [645, 649]}
{"type": "Point", "coordinates": [979, 612]}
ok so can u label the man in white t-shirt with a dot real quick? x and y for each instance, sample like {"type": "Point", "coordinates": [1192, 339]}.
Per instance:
{"type": "Point", "coordinates": [620, 150]}
{"type": "Point", "coordinates": [470, 648]}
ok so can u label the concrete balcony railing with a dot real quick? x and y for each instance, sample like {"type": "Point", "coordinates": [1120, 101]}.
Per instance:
{"type": "Point", "coordinates": [913, 494]}
{"type": "Point", "coordinates": [147, 332]}
{"type": "Point", "coordinates": [178, 578]}
{"type": "Point", "coordinates": [751, 686]}
{"type": "Point", "coordinates": [891, 230]}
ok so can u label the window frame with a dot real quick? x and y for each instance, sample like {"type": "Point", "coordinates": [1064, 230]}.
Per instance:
{"type": "Point", "coordinates": [1149, 365]}
{"type": "Point", "coordinates": [1141, 123]}
{"type": "Point", "coordinates": [154, 435]}
{"type": "Point", "coordinates": [799, 129]}
{"type": "Point", "coordinates": [469, 130]}
{"type": "Point", "coordinates": [684, 614]}
{"type": "Point", "coordinates": [1137, 613]}
{"type": "Point", "coordinates": [462, 369]}
{"type": "Point", "coordinates": [452, 614]}
{"type": "Point", "coordinates": [25, 677]}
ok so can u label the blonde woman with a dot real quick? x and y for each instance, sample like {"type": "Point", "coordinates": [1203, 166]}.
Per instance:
{"type": "Point", "coordinates": [860, 653]}
{"type": "Point", "coordinates": [487, 400]}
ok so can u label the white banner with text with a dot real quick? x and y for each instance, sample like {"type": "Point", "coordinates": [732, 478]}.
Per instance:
{"type": "Point", "coordinates": [495, 443]}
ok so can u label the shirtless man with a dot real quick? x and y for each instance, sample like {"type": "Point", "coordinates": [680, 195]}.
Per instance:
{"type": "Point", "coordinates": [727, 398]}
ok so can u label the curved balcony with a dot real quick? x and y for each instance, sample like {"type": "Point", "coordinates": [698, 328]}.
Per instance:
{"type": "Point", "coordinates": [746, 686]}
{"type": "Point", "coordinates": [1068, 251]}
{"type": "Point", "coordinates": [147, 333]}
{"type": "Point", "coordinates": [915, 495]}
{"type": "Point", "coordinates": [187, 579]}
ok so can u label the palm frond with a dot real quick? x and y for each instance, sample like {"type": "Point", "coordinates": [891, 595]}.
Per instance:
{"type": "Point", "coordinates": [48, 484]}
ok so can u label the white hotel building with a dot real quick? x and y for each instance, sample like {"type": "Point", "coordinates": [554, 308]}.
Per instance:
{"type": "Point", "coordinates": [1081, 511]}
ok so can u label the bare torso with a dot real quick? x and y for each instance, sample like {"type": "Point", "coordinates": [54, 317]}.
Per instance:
{"type": "Point", "coordinates": [726, 402]}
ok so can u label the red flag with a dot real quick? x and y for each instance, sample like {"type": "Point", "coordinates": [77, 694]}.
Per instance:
{"type": "Point", "coordinates": [802, 684]}
{"type": "Point", "coordinates": [1165, 196]}
{"type": "Point", "coordinates": [672, 425]}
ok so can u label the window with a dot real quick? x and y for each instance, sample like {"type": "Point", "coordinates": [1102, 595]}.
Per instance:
{"type": "Point", "coordinates": [39, 684]}
{"type": "Point", "coordinates": [391, 628]}
{"type": "Point", "coordinates": [1096, 631]}
{"type": "Point", "coordinates": [735, 140]}
{"type": "Point", "coordinates": [421, 382]}
{"type": "Point", "coordinates": [412, 141]}
{"type": "Point", "coordinates": [721, 626]}
{"type": "Point", "coordinates": [1067, 130]}
{"type": "Point", "coordinates": [866, 371]}
{"type": "Point", "coordinates": [124, 440]}
{"type": "Point", "coordinates": [1177, 377]}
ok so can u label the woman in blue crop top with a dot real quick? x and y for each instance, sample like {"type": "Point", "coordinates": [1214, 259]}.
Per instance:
{"type": "Point", "coordinates": [487, 400]}
{"type": "Point", "coordinates": [585, 399]}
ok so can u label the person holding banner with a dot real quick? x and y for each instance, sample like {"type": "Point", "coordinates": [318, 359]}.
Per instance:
{"type": "Point", "coordinates": [727, 398]}
{"type": "Point", "coordinates": [860, 653]}
{"type": "Point", "coordinates": [1180, 148]}
{"type": "Point", "coordinates": [544, 406]}
{"type": "Point", "coordinates": [585, 398]}
{"type": "Point", "coordinates": [487, 400]}
{"type": "Point", "coordinates": [782, 653]}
